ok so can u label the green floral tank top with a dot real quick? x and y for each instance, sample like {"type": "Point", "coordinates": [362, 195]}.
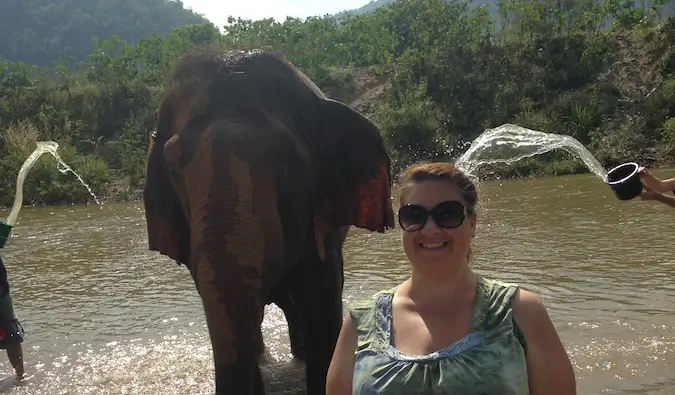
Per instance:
{"type": "Point", "coordinates": [490, 359]}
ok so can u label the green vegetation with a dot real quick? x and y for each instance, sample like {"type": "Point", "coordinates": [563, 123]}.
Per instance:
{"type": "Point", "coordinates": [433, 74]}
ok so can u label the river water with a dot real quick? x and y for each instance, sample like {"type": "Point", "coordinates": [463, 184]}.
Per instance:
{"type": "Point", "coordinates": [103, 315]}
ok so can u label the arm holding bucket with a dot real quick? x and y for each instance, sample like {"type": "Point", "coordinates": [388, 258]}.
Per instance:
{"type": "Point", "coordinates": [655, 188]}
{"type": "Point", "coordinates": [651, 182]}
{"type": "Point", "coordinates": [661, 197]}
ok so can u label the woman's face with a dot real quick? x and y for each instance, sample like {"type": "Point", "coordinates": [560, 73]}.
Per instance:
{"type": "Point", "coordinates": [432, 246]}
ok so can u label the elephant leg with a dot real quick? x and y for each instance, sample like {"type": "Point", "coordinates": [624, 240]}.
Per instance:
{"type": "Point", "coordinates": [285, 301]}
{"type": "Point", "coordinates": [259, 385]}
{"type": "Point", "coordinates": [317, 288]}
{"type": "Point", "coordinates": [234, 328]}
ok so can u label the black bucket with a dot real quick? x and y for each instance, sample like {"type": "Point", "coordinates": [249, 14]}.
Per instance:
{"type": "Point", "coordinates": [625, 181]}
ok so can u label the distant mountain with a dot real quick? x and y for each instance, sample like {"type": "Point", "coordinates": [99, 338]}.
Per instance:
{"type": "Point", "coordinates": [373, 4]}
{"type": "Point", "coordinates": [38, 31]}
{"type": "Point", "coordinates": [492, 6]}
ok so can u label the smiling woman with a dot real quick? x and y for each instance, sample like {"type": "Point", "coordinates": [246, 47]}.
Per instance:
{"type": "Point", "coordinates": [447, 329]}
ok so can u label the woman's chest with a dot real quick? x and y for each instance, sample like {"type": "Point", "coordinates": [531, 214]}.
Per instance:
{"type": "Point", "coordinates": [486, 369]}
{"type": "Point", "coordinates": [416, 333]}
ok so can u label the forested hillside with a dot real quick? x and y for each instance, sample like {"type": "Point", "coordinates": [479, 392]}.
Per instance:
{"type": "Point", "coordinates": [564, 5]}
{"type": "Point", "coordinates": [432, 74]}
{"type": "Point", "coordinates": [373, 4]}
{"type": "Point", "coordinates": [39, 31]}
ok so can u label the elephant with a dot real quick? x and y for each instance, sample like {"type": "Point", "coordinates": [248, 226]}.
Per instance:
{"type": "Point", "coordinates": [253, 178]}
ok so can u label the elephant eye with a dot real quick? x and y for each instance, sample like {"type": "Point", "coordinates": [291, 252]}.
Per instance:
{"type": "Point", "coordinates": [153, 134]}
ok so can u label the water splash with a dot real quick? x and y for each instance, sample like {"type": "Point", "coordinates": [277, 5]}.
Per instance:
{"type": "Point", "coordinates": [509, 143]}
{"type": "Point", "coordinates": [42, 147]}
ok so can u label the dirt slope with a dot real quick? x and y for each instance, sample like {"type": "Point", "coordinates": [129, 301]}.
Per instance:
{"type": "Point", "coordinates": [367, 89]}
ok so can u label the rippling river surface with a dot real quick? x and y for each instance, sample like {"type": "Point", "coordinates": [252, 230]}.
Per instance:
{"type": "Point", "coordinates": [103, 315]}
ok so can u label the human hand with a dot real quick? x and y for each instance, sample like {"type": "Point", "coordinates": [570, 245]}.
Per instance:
{"type": "Point", "coordinates": [649, 194]}
{"type": "Point", "coordinates": [650, 181]}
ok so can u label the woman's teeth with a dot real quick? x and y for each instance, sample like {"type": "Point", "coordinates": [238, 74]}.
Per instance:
{"type": "Point", "coordinates": [434, 245]}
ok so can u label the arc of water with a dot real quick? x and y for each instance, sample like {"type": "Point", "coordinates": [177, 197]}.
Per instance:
{"type": "Point", "coordinates": [510, 143]}
{"type": "Point", "coordinates": [42, 147]}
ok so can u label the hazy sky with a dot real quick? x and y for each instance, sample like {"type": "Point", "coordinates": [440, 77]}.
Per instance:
{"type": "Point", "coordinates": [217, 11]}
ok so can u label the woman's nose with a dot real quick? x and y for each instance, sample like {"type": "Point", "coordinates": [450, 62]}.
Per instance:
{"type": "Point", "coordinates": [430, 227]}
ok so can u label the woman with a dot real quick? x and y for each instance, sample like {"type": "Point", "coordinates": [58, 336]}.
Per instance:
{"type": "Point", "coordinates": [447, 330]}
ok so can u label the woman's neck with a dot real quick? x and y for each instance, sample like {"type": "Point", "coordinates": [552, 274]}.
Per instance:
{"type": "Point", "coordinates": [422, 286]}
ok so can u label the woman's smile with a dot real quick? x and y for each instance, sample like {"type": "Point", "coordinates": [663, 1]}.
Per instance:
{"type": "Point", "coordinates": [433, 246]}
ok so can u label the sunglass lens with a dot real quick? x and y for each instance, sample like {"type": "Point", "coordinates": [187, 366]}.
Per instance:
{"type": "Point", "coordinates": [412, 217]}
{"type": "Point", "coordinates": [449, 214]}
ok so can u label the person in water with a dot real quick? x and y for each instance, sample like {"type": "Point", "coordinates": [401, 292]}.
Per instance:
{"type": "Point", "coordinates": [11, 331]}
{"type": "Point", "coordinates": [446, 329]}
{"type": "Point", "coordinates": [655, 188]}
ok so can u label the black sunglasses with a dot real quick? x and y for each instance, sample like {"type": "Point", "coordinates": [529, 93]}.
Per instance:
{"type": "Point", "coordinates": [448, 215]}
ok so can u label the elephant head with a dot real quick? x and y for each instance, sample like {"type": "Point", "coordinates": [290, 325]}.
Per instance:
{"type": "Point", "coordinates": [252, 170]}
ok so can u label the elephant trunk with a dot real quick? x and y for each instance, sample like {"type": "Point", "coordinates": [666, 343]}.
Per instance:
{"type": "Point", "coordinates": [236, 245]}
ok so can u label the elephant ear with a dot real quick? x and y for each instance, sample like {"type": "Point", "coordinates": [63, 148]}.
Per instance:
{"type": "Point", "coordinates": [352, 174]}
{"type": "Point", "coordinates": [168, 228]}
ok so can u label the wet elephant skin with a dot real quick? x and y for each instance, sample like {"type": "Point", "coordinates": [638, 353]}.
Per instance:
{"type": "Point", "coordinates": [253, 179]}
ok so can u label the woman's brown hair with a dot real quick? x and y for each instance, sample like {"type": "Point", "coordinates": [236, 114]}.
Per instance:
{"type": "Point", "coordinates": [438, 171]}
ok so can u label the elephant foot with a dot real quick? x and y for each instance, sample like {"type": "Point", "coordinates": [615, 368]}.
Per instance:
{"type": "Point", "coordinates": [235, 385]}
{"type": "Point", "coordinates": [259, 383]}
{"type": "Point", "coordinates": [286, 302]}
{"type": "Point", "coordinates": [298, 346]}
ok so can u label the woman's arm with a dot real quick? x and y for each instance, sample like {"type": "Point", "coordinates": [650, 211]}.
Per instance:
{"type": "Point", "coordinates": [658, 196]}
{"type": "Point", "coordinates": [549, 369]}
{"type": "Point", "coordinates": [654, 183]}
{"type": "Point", "coordinates": [666, 199]}
{"type": "Point", "coordinates": [668, 185]}
{"type": "Point", "coordinates": [651, 194]}
{"type": "Point", "coordinates": [341, 369]}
